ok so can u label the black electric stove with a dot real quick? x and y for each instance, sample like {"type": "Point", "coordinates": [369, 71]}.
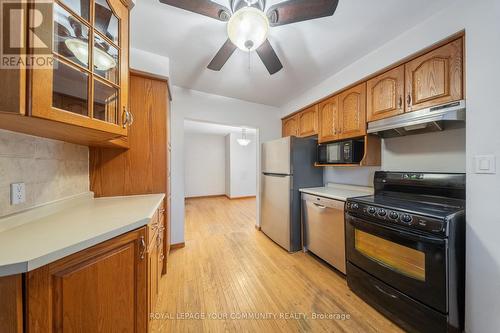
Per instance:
{"type": "Point", "coordinates": [406, 249]}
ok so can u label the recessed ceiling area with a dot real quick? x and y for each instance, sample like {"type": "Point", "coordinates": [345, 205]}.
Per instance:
{"type": "Point", "coordinates": [310, 51]}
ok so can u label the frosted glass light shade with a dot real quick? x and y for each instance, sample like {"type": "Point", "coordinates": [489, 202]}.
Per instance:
{"type": "Point", "coordinates": [248, 28]}
{"type": "Point", "coordinates": [102, 60]}
{"type": "Point", "coordinates": [243, 142]}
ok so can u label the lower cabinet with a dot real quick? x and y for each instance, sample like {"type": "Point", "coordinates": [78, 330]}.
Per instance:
{"type": "Point", "coordinates": [110, 287]}
{"type": "Point", "coordinates": [100, 289]}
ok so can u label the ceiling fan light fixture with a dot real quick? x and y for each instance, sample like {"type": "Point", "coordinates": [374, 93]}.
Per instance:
{"type": "Point", "coordinates": [248, 28]}
{"type": "Point", "coordinates": [102, 60]}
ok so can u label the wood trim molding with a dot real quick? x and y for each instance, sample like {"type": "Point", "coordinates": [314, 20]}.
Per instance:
{"type": "Point", "coordinates": [129, 4]}
{"type": "Point", "coordinates": [413, 56]}
{"type": "Point", "coordinates": [257, 227]}
{"type": "Point", "coordinates": [207, 196]}
{"type": "Point", "coordinates": [177, 246]}
{"type": "Point", "coordinates": [152, 76]}
{"type": "Point", "coordinates": [239, 198]}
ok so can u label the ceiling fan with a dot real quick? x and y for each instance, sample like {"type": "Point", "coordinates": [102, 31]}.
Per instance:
{"type": "Point", "coordinates": [248, 25]}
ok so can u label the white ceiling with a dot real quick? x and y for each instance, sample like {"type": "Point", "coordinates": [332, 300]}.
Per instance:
{"type": "Point", "coordinates": [199, 127]}
{"type": "Point", "coordinates": [310, 51]}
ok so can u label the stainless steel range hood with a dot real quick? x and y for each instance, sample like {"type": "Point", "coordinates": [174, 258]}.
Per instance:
{"type": "Point", "coordinates": [438, 118]}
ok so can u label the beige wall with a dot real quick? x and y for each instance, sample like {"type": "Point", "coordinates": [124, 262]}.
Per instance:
{"type": "Point", "coordinates": [50, 169]}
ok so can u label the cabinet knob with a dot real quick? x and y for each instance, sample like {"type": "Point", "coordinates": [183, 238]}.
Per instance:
{"type": "Point", "coordinates": [400, 103]}
{"type": "Point", "coordinates": [408, 101]}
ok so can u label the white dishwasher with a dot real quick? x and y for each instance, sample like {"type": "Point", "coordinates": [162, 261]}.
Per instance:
{"type": "Point", "coordinates": [324, 229]}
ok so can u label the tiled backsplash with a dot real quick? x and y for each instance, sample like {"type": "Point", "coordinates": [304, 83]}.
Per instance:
{"type": "Point", "coordinates": [50, 169]}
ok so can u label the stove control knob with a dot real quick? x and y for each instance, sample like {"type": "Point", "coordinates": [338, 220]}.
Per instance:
{"type": "Point", "coordinates": [371, 210]}
{"type": "Point", "coordinates": [406, 218]}
{"type": "Point", "coordinates": [354, 205]}
{"type": "Point", "coordinates": [394, 215]}
{"type": "Point", "coordinates": [382, 212]}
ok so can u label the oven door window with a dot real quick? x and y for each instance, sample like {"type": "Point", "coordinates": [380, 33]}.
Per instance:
{"type": "Point", "coordinates": [401, 259]}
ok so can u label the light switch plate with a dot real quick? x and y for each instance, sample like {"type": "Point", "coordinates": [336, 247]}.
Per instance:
{"type": "Point", "coordinates": [17, 193]}
{"type": "Point", "coordinates": [485, 164]}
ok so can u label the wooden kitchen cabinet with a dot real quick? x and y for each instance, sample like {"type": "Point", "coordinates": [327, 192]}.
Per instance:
{"type": "Point", "coordinates": [291, 126]}
{"type": "Point", "coordinates": [329, 126]}
{"type": "Point", "coordinates": [436, 77]}
{"type": "Point", "coordinates": [385, 94]}
{"type": "Point", "coordinates": [82, 95]}
{"type": "Point", "coordinates": [308, 121]}
{"type": "Point", "coordinates": [145, 167]}
{"type": "Point", "coordinates": [100, 289]}
{"type": "Point", "coordinates": [352, 106]}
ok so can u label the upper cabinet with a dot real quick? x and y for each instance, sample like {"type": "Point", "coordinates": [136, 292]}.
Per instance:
{"type": "Point", "coordinates": [308, 122]}
{"type": "Point", "coordinates": [435, 77]}
{"type": "Point", "coordinates": [430, 79]}
{"type": "Point", "coordinates": [86, 85]}
{"type": "Point", "coordinates": [352, 106]}
{"type": "Point", "coordinates": [329, 120]}
{"type": "Point", "coordinates": [81, 95]}
{"type": "Point", "coordinates": [291, 126]}
{"type": "Point", "coordinates": [385, 94]}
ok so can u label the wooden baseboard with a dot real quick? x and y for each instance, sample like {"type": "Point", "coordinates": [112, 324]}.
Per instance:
{"type": "Point", "coordinates": [177, 246]}
{"type": "Point", "coordinates": [207, 196]}
{"type": "Point", "coordinates": [239, 198]}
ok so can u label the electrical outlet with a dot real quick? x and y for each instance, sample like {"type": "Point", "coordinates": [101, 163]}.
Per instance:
{"type": "Point", "coordinates": [17, 193]}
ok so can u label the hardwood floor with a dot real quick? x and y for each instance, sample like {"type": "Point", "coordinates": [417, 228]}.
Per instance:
{"type": "Point", "coordinates": [228, 269]}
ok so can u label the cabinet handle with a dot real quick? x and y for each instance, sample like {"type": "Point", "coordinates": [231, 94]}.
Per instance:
{"type": "Point", "coordinates": [319, 206]}
{"type": "Point", "coordinates": [130, 118]}
{"type": "Point", "coordinates": [143, 247]}
{"type": "Point", "coordinates": [124, 118]}
{"type": "Point", "coordinates": [158, 240]}
{"type": "Point", "coordinates": [400, 102]}
{"type": "Point", "coordinates": [408, 100]}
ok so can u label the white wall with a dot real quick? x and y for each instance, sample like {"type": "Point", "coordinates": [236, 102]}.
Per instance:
{"type": "Point", "coordinates": [480, 19]}
{"type": "Point", "coordinates": [227, 141]}
{"type": "Point", "coordinates": [205, 164]}
{"type": "Point", "coordinates": [243, 167]}
{"type": "Point", "coordinates": [149, 62]}
{"type": "Point", "coordinates": [190, 104]}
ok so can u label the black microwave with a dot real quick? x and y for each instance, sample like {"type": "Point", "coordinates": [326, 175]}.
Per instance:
{"type": "Point", "coordinates": [342, 152]}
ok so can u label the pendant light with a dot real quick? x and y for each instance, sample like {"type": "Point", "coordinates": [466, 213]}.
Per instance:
{"type": "Point", "coordinates": [243, 141]}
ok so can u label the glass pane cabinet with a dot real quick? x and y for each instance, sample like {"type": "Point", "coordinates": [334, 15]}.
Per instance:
{"type": "Point", "coordinates": [87, 84]}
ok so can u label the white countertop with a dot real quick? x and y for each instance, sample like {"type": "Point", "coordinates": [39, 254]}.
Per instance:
{"type": "Point", "coordinates": [43, 235]}
{"type": "Point", "coordinates": [339, 191]}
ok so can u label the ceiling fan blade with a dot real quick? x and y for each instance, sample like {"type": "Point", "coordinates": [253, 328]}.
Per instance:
{"type": "Point", "coordinates": [222, 56]}
{"type": "Point", "coordinates": [203, 7]}
{"type": "Point", "coordinates": [269, 58]}
{"type": "Point", "coordinates": [293, 11]}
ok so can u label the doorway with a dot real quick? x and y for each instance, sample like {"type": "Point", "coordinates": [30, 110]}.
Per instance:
{"type": "Point", "coordinates": [220, 161]}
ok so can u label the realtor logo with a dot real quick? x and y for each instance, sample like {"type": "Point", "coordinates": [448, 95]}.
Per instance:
{"type": "Point", "coordinates": [26, 32]}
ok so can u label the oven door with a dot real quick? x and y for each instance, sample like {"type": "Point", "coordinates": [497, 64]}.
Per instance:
{"type": "Point", "coordinates": [415, 265]}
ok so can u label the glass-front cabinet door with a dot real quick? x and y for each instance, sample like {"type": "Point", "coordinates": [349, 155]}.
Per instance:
{"type": "Point", "coordinates": [87, 83]}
